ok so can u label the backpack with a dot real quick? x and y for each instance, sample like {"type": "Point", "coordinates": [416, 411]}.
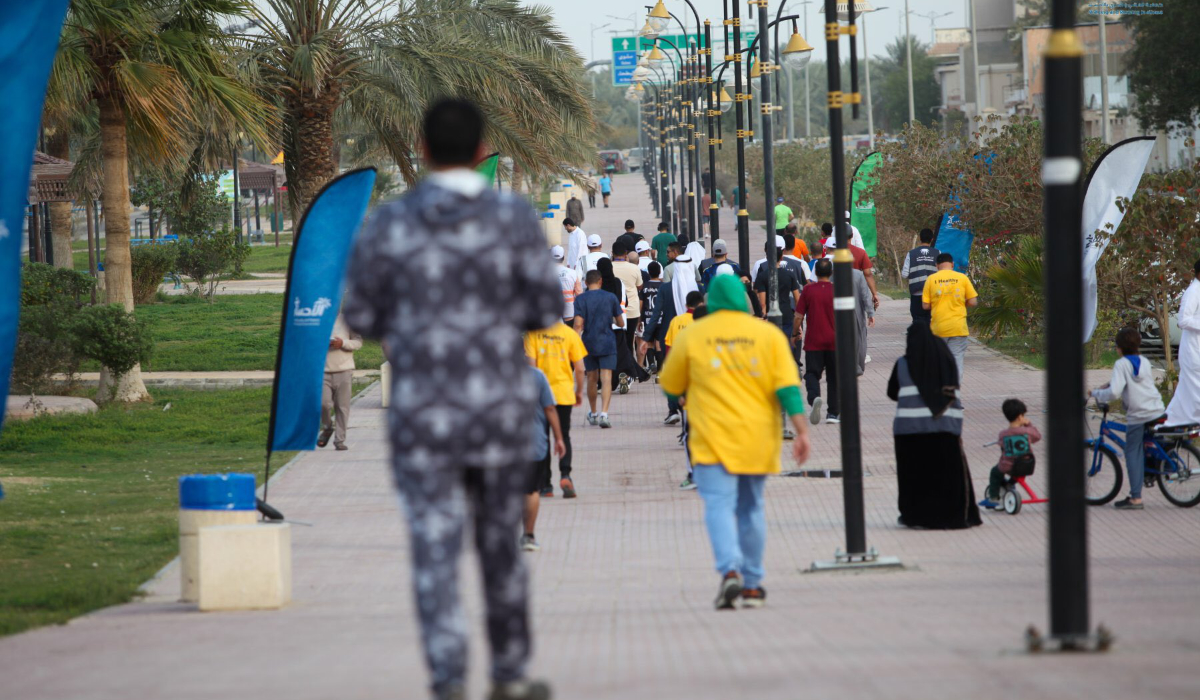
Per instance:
{"type": "Point", "coordinates": [1017, 449]}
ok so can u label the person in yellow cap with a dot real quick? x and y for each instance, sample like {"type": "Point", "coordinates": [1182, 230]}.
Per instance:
{"type": "Point", "coordinates": [736, 372]}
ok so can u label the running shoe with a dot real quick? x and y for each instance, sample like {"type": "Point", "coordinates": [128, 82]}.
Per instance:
{"type": "Point", "coordinates": [591, 418]}
{"type": "Point", "coordinates": [546, 492]}
{"type": "Point", "coordinates": [623, 383]}
{"type": "Point", "coordinates": [754, 597]}
{"type": "Point", "coordinates": [529, 544]}
{"type": "Point", "coordinates": [788, 434]}
{"type": "Point", "coordinates": [672, 418]}
{"type": "Point", "coordinates": [603, 421]}
{"type": "Point", "coordinates": [520, 690]}
{"type": "Point", "coordinates": [816, 411]}
{"type": "Point", "coordinates": [832, 418]}
{"type": "Point", "coordinates": [990, 504]}
{"type": "Point", "coordinates": [727, 594]}
{"type": "Point", "coordinates": [567, 486]}
{"type": "Point", "coordinates": [1128, 504]}
{"type": "Point", "coordinates": [867, 360]}
{"type": "Point", "coordinates": [687, 484]}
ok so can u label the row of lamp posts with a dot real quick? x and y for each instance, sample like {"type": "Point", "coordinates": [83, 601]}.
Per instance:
{"type": "Point", "coordinates": [671, 99]}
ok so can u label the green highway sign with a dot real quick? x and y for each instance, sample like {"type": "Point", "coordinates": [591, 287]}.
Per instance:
{"type": "Point", "coordinates": [625, 50]}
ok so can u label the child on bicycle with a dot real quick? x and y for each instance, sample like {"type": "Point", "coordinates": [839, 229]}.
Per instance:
{"type": "Point", "coordinates": [1133, 382]}
{"type": "Point", "coordinates": [1015, 442]}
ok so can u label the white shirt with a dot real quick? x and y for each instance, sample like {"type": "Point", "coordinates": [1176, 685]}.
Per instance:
{"type": "Point", "coordinates": [568, 279]}
{"type": "Point", "coordinates": [576, 247]}
{"type": "Point", "coordinates": [463, 181]}
{"type": "Point", "coordinates": [588, 262]}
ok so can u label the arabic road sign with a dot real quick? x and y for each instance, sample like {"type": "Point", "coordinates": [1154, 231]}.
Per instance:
{"type": "Point", "coordinates": [625, 50]}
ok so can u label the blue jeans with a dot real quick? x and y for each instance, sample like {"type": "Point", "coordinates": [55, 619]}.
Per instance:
{"type": "Point", "coordinates": [1135, 457]}
{"type": "Point", "coordinates": [737, 523]}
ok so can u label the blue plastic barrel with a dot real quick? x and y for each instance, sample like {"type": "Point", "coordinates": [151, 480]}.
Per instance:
{"type": "Point", "coordinates": [217, 492]}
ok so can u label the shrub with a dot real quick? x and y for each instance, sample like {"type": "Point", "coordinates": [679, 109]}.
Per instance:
{"type": "Point", "coordinates": [150, 264]}
{"type": "Point", "coordinates": [43, 284]}
{"type": "Point", "coordinates": [113, 337]}
{"type": "Point", "coordinates": [44, 348]}
{"type": "Point", "coordinates": [203, 257]}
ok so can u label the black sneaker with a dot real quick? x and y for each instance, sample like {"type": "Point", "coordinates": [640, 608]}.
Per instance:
{"type": "Point", "coordinates": [727, 594]}
{"type": "Point", "coordinates": [754, 597]}
{"type": "Point", "coordinates": [832, 418]}
{"type": "Point", "coordinates": [567, 486]}
{"type": "Point", "coordinates": [521, 690]}
{"type": "Point", "coordinates": [1128, 504]}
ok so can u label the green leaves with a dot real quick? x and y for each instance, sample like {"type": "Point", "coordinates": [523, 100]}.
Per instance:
{"type": "Point", "coordinates": [111, 336]}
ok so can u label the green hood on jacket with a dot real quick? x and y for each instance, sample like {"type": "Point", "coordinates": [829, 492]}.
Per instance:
{"type": "Point", "coordinates": [726, 293]}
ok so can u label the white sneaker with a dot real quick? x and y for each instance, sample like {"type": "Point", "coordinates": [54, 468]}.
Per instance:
{"type": "Point", "coordinates": [591, 418]}
{"type": "Point", "coordinates": [529, 544]}
{"type": "Point", "coordinates": [833, 419]}
{"type": "Point", "coordinates": [816, 411]}
{"type": "Point", "coordinates": [867, 360]}
{"type": "Point", "coordinates": [603, 420]}
{"type": "Point", "coordinates": [672, 418]}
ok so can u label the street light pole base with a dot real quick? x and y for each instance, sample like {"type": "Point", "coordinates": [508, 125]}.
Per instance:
{"type": "Point", "coordinates": [816, 473]}
{"type": "Point", "coordinates": [1101, 641]}
{"type": "Point", "coordinates": [870, 561]}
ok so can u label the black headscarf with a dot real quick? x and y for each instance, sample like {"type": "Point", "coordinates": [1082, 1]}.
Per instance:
{"type": "Point", "coordinates": [609, 281]}
{"type": "Point", "coordinates": [931, 367]}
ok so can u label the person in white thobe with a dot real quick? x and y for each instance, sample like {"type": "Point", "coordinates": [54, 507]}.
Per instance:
{"type": "Point", "coordinates": [1185, 405]}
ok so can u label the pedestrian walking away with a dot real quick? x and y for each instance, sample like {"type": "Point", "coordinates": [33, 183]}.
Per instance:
{"type": "Point", "coordinates": [946, 295]}
{"type": "Point", "coordinates": [919, 264]}
{"type": "Point", "coordinates": [659, 244]}
{"type": "Point", "coordinates": [570, 282]}
{"type": "Point", "coordinates": [630, 238]}
{"type": "Point", "coordinates": [935, 489]}
{"type": "Point", "coordinates": [783, 216]}
{"type": "Point", "coordinates": [814, 326]}
{"type": "Point", "coordinates": [461, 392]}
{"type": "Point", "coordinates": [587, 261]}
{"type": "Point", "coordinates": [339, 376]}
{"type": "Point", "coordinates": [736, 373]}
{"type": "Point", "coordinates": [864, 317]}
{"type": "Point", "coordinates": [545, 423]}
{"type": "Point", "coordinates": [575, 246]}
{"type": "Point", "coordinates": [606, 188]}
{"type": "Point", "coordinates": [575, 208]}
{"type": "Point", "coordinates": [596, 312]}
{"type": "Point", "coordinates": [558, 352]}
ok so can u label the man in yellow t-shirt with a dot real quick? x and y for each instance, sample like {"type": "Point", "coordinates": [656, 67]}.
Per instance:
{"type": "Point", "coordinates": [947, 295]}
{"type": "Point", "coordinates": [683, 320]}
{"type": "Point", "coordinates": [736, 372]}
{"type": "Point", "coordinates": [558, 352]}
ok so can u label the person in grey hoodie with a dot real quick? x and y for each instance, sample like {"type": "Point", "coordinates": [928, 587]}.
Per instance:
{"type": "Point", "coordinates": [1133, 382]}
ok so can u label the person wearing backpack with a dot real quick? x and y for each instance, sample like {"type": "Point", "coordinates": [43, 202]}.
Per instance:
{"type": "Point", "coordinates": [1016, 442]}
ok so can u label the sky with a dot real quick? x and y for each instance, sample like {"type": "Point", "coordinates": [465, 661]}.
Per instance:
{"type": "Point", "coordinates": [578, 18]}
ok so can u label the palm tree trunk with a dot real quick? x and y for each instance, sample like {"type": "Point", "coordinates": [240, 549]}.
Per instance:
{"type": "Point", "coordinates": [59, 146]}
{"type": "Point", "coordinates": [315, 165]}
{"type": "Point", "coordinates": [118, 286]}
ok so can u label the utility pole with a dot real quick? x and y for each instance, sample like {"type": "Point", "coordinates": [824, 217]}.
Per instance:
{"type": "Point", "coordinates": [1104, 128]}
{"type": "Point", "coordinates": [807, 84]}
{"type": "Point", "coordinates": [739, 99]}
{"type": "Point", "coordinates": [774, 315]}
{"type": "Point", "coordinates": [975, 65]}
{"type": "Point", "coordinates": [912, 113]}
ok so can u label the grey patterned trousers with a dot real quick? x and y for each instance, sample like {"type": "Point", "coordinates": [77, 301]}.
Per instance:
{"type": "Point", "coordinates": [439, 505]}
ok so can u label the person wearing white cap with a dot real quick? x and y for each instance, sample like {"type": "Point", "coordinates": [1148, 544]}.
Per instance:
{"type": "Point", "coordinates": [792, 263]}
{"type": "Point", "coordinates": [569, 280]}
{"type": "Point", "coordinates": [856, 238]}
{"type": "Point", "coordinates": [576, 244]}
{"type": "Point", "coordinates": [643, 250]}
{"type": "Point", "coordinates": [587, 261]}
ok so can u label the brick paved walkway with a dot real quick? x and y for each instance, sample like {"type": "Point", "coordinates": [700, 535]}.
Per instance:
{"type": "Point", "coordinates": [623, 585]}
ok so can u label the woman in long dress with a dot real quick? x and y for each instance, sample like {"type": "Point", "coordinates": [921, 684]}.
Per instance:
{"type": "Point", "coordinates": [931, 468]}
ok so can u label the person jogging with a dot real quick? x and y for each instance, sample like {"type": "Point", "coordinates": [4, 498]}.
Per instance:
{"type": "Point", "coordinates": [736, 372]}
{"type": "Point", "coordinates": [559, 352]}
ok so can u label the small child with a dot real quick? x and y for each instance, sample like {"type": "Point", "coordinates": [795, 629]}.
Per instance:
{"type": "Point", "coordinates": [1133, 382]}
{"type": "Point", "coordinates": [1015, 441]}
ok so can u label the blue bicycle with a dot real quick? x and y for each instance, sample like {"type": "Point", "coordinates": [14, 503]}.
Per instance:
{"type": "Point", "coordinates": [1172, 461]}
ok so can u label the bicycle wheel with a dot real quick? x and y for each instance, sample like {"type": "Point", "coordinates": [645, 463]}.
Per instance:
{"type": "Point", "coordinates": [1104, 475]}
{"type": "Point", "coordinates": [1180, 480]}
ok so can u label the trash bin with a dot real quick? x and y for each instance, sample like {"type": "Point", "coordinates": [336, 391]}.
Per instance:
{"type": "Point", "coordinates": [206, 500]}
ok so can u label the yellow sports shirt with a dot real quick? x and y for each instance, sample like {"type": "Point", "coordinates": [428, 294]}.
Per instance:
{"type": "Point", "coordinates": [730, 364]}
{"type": "Point", "coordinates": [677, 325]}
{"type": "Point", "coordinates": [555, 350]}
{"type": "Point", "coordinates": [947, 292]}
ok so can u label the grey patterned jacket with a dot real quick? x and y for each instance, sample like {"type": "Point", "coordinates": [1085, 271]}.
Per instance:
{"type": "Point", "coordinates": [451, 320]}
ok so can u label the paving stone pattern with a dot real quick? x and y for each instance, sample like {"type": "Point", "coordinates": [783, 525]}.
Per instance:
{"type": "Point", "coordinates": [624, 582]}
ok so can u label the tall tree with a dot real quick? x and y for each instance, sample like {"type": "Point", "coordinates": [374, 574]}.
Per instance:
{"type": "Point", "coordinates": [153, 69]}
{"type": "Point", "coordinates": [892, 96]}
{"type": "Point", "coordinates": [1164, 66]}
{"type": "Point", "coordinates": [377, 64]}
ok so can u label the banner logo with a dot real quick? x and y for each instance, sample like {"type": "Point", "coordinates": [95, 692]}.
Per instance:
{"type": "Point", "coordinates": [311, 315]}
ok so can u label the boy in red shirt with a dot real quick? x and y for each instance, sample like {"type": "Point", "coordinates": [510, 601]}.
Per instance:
{"type": "Point", "coordinates": [1020, 428]}
{"type": "Point", "coordinates": [814, 324]}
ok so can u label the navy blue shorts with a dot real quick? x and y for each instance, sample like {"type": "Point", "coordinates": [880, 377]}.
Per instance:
{"type": "Point", "coordinates": [591, 363]}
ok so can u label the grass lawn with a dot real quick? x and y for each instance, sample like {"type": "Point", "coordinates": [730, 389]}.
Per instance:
{"type": "Point", "coordinates": [235, 332]}
{"type": "Point", "coordinates": [894, 292]}
{"type": "Point", "coordinates": [1031, 351]}
{"type": "Point", "coordinates": [90, 512]}
{"type": "Point", "coordinates": [263, 258]}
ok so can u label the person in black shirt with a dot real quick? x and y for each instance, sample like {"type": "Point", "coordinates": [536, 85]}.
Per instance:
{"type": "Point", "coordinates": [628, 239]}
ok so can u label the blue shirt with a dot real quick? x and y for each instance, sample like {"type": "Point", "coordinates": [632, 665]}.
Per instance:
{"type": "Point", "coordinates": [605, 184]}
{"type": "Point", "coordinates": [598, 308]}
{"type": "Point", "coordinates": [541, 427]}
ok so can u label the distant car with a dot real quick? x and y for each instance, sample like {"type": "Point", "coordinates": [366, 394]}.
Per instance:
{"type": "Point", "coordinates": [635, 158]}
{"type": "Point", "coordinates": [1149, 330]}
{"type": "Point", "coordinates": [612, 162]}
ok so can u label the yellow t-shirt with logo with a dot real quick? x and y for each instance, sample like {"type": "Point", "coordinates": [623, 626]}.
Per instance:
{"type": "Point", "coordinates": [677, 325]}
{"type": "Point", "coordinates": [555, 350]}
{"type": "Point", "coordinates": [730, 364]}
{"type": "Point", "coordinates": [947, 293]}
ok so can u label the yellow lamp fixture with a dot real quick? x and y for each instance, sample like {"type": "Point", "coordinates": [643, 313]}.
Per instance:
{"type": "Point", "coordinates": [656, 56]}
{"type": "Point", "coordinates": [797, 53]}
{"type": "Point", "coordinates": [647, 31]}
{"type": "Point", "coordinates": [659, 17]}
{"type": "Point", "coordinates": [724, 101]}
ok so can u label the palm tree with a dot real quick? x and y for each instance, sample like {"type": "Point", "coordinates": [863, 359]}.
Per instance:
{"type": "Point", "coordinates": [155, 70]}
{"type": "Point", "coordinates": [374, 65]}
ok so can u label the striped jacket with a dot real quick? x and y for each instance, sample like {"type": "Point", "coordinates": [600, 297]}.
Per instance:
{"type": "Point", "coordinates": [919, 264]}
{"type": "Point", "coordinates": [913, 417]}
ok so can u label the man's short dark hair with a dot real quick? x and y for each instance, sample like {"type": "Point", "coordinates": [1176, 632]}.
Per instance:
{"type": "Point", "coordinates": [620, 250]}
{"type": "Point", "coordinates": [592, 277]}
{"type": "Point", "coordinates": [944, 258]}
{"type": "Point", "coordinates": [664, 227]}
{"type": "Point", "coordinates": [789, 241]}
{"type": "Point", "coordinates": [1196, 267]}
{"type": "Point", "coordinates": [926, 235]}
{"type": "Point", "coordinates": [824, 268]}
{"type": "Point", "coordinates": [453, 130]}
{"type": "Point", "coordinates": [675, 246]}
{"type": "Point", "coordinates": [827, 229]}
{"type": "Point", "coordinates": [694, 299]}
{"type": "Point", "coordinates": [629, 225]}
{"type": "Point", "coordinates": [1013, 409]}
{"type": "Point", "coordinates": [654, 269]}
{"type": "Point", "coordinates": [569, 222]}
{"type": "Point", "coordinates": [1129, 340]}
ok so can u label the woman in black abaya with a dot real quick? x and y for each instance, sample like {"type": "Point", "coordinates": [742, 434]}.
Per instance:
{"type": "Point", "coordinates": [931, 468]}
